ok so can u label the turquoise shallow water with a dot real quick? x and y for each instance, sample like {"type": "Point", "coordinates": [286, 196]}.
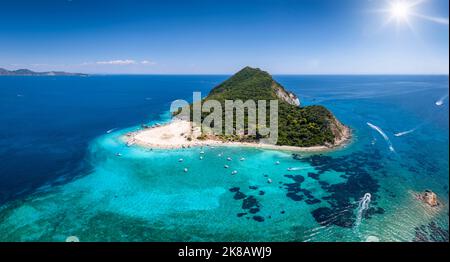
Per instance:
{"type": "Point", "coordinates": [144, 195]}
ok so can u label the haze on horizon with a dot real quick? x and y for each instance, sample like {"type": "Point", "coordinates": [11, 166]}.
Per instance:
{"type": "Point", "coordinates": [221, 37]}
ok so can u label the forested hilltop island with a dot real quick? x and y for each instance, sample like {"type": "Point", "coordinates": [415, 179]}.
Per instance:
{"type": "Point", "coordinates": [298, 126]}
{"type": "Point", "coordinates": [27, 72]}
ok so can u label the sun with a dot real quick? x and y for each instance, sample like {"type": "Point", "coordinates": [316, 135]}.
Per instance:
{"type": "Point", "coordinates": [403, 13]}
{"type": "Point", "coordinates": [399, 11]}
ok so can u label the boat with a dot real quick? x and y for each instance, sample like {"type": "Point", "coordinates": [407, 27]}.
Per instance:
{"type": "Point", "coordinates": [201, 158]}
{"type": "Point", "coordinates": [234, 172]}
{"type": "Point", "coordinates": [229, 158]}
{"type": "Point", "coordinates": [269, 180]}
{"type": "Point", "coordinates": [277, 163]}
{"type": "Point", "coordinates": [185, 170]}
{"type": "Point", "coordinates": [242, 158]}
{"type": "Point", "coordinates": [118, 154]}
{"type": "Point", "coordinates": [180, 160]}
{"type": "Point", "coordinates": [202, 152]}
{"type": "Point", "coordinates": [226, 166]}
{"type": "Point", "coordinates": [109, 131]}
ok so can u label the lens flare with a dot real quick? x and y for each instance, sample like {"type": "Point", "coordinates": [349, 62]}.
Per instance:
{"type": "Point", "coordinates": [400, 11]}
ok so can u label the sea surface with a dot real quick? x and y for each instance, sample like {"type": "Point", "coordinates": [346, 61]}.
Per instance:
{"type": "Point", "coordinates": [61, 176]}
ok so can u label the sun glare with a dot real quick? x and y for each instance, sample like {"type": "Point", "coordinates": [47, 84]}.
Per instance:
{"type": "Point", "coordinates": [399, 11]}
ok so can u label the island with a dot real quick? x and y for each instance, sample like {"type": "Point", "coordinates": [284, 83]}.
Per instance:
{"type": "Point", "coordinates": [300, 128]}
{"type": "Point", "coordinates": [27, 72]}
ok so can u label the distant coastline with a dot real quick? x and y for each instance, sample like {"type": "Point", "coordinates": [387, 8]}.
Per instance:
{"type": "Point", "coordinates": [27, 72]}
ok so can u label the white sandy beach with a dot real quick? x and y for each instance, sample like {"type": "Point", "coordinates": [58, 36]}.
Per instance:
{"type": "Point", "coordinates": [181, 134]}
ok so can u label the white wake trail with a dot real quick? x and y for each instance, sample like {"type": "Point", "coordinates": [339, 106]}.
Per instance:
{"type": "Point", "coordinates": [299, 168]}
{"type": "Point", "coordinates": [441, 100]}
{"type": "Point", "coordinates": [405, 132]}
{"type": "Point", "coordinates": [386, 138]}
{"type": "Point", "coordinates": [363, 205]}
{"type": "Point", "coordinates": [109, 131]}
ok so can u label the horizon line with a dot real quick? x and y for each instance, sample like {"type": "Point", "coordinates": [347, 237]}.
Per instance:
{"type": "Point", "coordinates": [226, 74]}
{"type": "Point", "coordinates": [229, 74]}
{"type": "Point", "coordinates": [282, 74]}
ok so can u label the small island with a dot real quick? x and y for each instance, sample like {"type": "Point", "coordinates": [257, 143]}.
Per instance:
{"type": "Point", "coordinates": [300, 128]}
{"type": "Point", "coordinates": [27, 72]}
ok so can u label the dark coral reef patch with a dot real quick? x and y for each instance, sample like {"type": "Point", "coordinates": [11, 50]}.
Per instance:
{"type": "Point", "coordinates": [356, 169]}
{"type": "Point", "coordinates": [431, 233]}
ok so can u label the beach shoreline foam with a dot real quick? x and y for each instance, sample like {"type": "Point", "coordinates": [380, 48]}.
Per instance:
{"type": "Point", "coordinates": [178, 134]}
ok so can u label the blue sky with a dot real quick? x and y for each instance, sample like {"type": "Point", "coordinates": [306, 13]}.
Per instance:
{"type": "Point", "coordinates": [220, 37]}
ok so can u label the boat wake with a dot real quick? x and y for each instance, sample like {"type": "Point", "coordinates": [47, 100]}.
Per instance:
{"type": "Point", "coordinates": [362, 206]}
{"type": "Point", "coordinates": [440, 102]}
{"type": "Point", "coordinates": [299, 168]}
{"type": "Point", "coordinates": [109, 131]}
{"type": "Point", "coordinates": [413, 129]}
{"type": "Point", "coordinates": [405, 132]}
{"type": "Point", "coordinates": [386, 138]}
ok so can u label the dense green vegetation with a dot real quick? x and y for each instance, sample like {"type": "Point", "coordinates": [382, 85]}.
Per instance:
{"type": "Point", "coordinates": [306, 126]}
{"type": "Point", "coordinates": [249, 83]}
{"type": "Point", "coordinates": [298, 126]}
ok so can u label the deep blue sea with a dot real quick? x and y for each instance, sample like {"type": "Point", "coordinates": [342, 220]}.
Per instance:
{"type": "Point", "coordinates": [60, 176]}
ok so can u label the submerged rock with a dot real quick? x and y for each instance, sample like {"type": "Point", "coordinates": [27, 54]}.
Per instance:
{"type": "Point", "coordinates": [356, 168]}
{"type": "Point", "coordinates": [327, 217]}
{"type": "Point", "coordinates": [241, 214]}
{"type": "Point", "coordinates": [258, 218]}
{"type": "Point", "coordinates": [250, 202]}
{"type": "Point", "coordinates": [239, 195]}
{"type": "Point", "coordinates": [254, 210]}
{"type": "Point", "coordinates": [234, 189]}
{"type": "Point", "coordinates": [312, 201]}
{"type": "Point", "coordinates": [431, 233]}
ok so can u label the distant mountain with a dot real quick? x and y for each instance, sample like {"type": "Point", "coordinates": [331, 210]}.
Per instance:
{"type": "Point", "coordinates": [27, 72]}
